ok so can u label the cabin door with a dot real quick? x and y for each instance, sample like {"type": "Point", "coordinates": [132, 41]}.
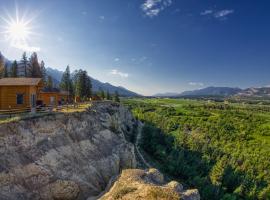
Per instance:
{"type": "Point", "coordinates": [52, 101]}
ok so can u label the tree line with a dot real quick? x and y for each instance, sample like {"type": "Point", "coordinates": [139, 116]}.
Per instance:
{"type": "Point", "coordinates": [77, 84]}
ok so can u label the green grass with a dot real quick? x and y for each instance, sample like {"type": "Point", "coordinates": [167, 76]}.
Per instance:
{"type": "Point", "coordinates": [221, 148]}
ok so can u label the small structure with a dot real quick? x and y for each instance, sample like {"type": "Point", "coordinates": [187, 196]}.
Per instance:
{"type": "Point", "coordinates": [18, 93]}
{"type": "Point", "coordinates": [53, 96]}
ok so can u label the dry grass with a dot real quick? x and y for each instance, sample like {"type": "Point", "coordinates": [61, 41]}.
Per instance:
{"type": "Point", "coordinates": [122, 190]}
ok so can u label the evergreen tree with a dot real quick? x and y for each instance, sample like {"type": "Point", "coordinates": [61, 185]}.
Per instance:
{"type": "Point", "coordinates": [6, 71]}
{"type": "Point", "coordinates": [102, 94]}
{"type": "Point", "coordinates": [116, 97]}
{"type": "Point", "coordinates": [2, 65]}
{"type": "Point", "coordinates": [108, 96]}
{"type": "Point", "coordinates": [14, 69]}
{"type": "Point", "coordinates": [34, 69]}
{"type": "Point", "coordinates": [49, 83]}
{"type": "Point", "coordinates": [43, 72]}
{"type": "Point", "coordinates": [82, 84]}
{"type": "Point", "coordinates": [25, 64]}
{"type": "Point", "coordinates": [66, 82]}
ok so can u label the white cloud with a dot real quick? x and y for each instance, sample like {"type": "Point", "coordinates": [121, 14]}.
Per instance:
{"type": "Point", "coordinates": [116, 59]}
{"type": "Point", "coordinates": [119, 73]}
{"type": "Point", "coordinates": [207, 12]}
{"type": "Point", "coordinates": [25, 47]}
{"type": "Point", "coordinates": [196, 84]}
{"type": "Point", "coordinates": [153, 7]}
{"type": "Point", "coordinates": [223, 13]}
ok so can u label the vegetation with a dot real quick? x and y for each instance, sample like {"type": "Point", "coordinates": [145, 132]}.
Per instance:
{"type": "Point", "coordinates": [220, 148]}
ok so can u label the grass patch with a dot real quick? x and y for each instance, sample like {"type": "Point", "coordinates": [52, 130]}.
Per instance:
{"type": "Point", "coordinates": [122, 191]}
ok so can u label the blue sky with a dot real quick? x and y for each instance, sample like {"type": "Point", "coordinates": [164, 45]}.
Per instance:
{"type": "Point", "coordinates": [150, 46]}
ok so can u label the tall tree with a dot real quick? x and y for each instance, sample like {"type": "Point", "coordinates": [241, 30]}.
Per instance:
{"type": "Point", "coordinates": [108, 96]}
{"type": "Point", "coordinates": [2, 65]}
{"type": "Point", "coordinates": [66, 82]}
{"type": "Point", "coordinates": [49, 83]}
{"type": "Point", "coordinates": [25, 64]}
{"type": "Point", "coordinates": [116, 96]}
{"type": "Point", "coordinates": [43, 72]}
{"type": "Point", "coordinates": [14, 69]}
{"type": "Point", "coordinates": [6, 71]}
{"type": "Point", "coordinates": [82, 84]}
{"type": "Point", "coordinates": [34, 69]}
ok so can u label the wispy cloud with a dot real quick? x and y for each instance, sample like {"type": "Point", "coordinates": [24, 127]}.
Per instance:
{"type": "Point", "coordinates": [101, 17]}
{"type": "Point", "coordinates": [25, 47]}
{"type": "Point", "coordinates": [152, 8]}
{"type": "Point", "coordinates": [207, 12]}
{"type": "Point", "coordinates": [196, 84]}
{"type": "Point", "coordinates": [115, 72]}
{"type": "Point", "coordinates": [221, 14]}
{"type": "Point", "coordinates": [116, 59]}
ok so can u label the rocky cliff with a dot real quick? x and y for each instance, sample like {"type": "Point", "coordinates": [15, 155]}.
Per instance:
{"type": "Point", "coordinates": [148, 184]}
{"type": "Point", "coordinates": [65, 156]}
{"type": "Point", "coordinates": [77, 156]}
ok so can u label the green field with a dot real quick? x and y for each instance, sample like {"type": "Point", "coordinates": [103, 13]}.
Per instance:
{"type": "Point", "coordinates": [223, 149]}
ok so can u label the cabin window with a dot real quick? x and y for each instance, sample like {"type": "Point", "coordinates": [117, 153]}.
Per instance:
{"type": "Point", "coordinates": [19, 99]}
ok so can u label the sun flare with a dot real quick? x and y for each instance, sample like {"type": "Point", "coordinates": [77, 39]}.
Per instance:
{"type": "Point", "coordinates": [17, 31]}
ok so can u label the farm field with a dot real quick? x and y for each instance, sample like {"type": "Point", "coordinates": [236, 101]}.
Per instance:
{"type": "Point", "coordinates": [221, 148]}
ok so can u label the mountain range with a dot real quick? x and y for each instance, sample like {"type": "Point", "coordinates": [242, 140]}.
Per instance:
{"type": "Point", "coordinates": [260, 92]}
{"type": "Point", "coordinates": [96, 84]}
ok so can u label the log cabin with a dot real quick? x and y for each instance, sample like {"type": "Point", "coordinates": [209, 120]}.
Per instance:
{"type": "Point", "coordinates": [16, 93]}
{"type": "Point", "coordinates": [53, 96]}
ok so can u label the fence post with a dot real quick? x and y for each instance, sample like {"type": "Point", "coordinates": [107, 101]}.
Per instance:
{"type": "Point", "coordinates": [9, 111]}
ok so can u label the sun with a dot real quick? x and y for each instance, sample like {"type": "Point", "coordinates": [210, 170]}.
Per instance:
{"type": "Point", "coordinates": [18, 32]}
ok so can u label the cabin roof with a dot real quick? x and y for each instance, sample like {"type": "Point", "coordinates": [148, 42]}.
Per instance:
{"type": "Point", "coordinates": [19, 81]}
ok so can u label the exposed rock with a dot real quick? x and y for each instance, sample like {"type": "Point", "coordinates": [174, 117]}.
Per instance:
{"type": "Point", "coordinates": [64, 190]}
{"type": "Point", "coordinates": [140, 185]}
{"type": "Point", "coordinates": [65, 156]}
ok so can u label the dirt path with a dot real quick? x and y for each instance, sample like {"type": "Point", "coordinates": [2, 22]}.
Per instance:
{"type": "Point", "coordinates": [137, 149]}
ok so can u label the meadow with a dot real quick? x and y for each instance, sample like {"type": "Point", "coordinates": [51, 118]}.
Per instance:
{"type": "Point", "coordinates": [221, 148]}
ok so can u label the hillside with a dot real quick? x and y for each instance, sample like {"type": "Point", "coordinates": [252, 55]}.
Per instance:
{"type": "Point", "coordinates": [212, 91]}
{"type": "Point", "coordinates": [74, 156]}
{"type": "Point", "coordinates": [96, 84]}
{"type": "Point", "coordinates": [221, 149]}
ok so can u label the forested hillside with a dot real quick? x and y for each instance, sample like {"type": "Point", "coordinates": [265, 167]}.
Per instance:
{"type": "Point", "coordinates": [221, 149]}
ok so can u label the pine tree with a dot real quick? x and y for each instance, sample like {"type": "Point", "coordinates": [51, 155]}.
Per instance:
{"type": "Point", "coordinates": [102, 94]}
{"type": "Point", "coordinates": [2, 65]}
{"type": "Point", "coordinates": [116, 97]}
{"type": "Point", "coordinates": [25, 64]}
{"type": "Point", "coordinates": [49, 83]}
{"type": "Point", "coordinates": [108, 96]}
{"type": "Point", "coordinates": [43, 72]}
{"type": "Point", "coordinates": [66, 82]}
{"type": "Point", "coordinates": [34, 70]}
{"type": "Point", "coordinates": [6, 71]}
{"type": "Point", "coordinates": [14, 69]}
{"type": "Point", "coordinates": [82, 84]}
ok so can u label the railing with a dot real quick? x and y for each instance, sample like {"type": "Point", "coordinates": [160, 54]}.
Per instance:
{"type": "Point", "coordinates": [18, 112]}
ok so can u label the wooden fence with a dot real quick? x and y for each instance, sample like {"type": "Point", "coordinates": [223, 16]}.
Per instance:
{"type": "Point", "coordinates": [11, 112]}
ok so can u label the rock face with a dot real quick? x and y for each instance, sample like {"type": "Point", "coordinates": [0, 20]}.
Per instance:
{"type": "Point", "coordinates": [147, 184]}
{"type": "Point", "coordinates": [65, 156]}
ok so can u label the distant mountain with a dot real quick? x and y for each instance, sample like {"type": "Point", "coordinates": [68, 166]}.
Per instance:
{"type": "Point", "coordinates": [212, 91]}
{"type": "Point", "coordinates": [96, 84]}
{"type": "Point", "coordinates": [166, 94]}
{"type": "Point", "coordinates": [255, 92]}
